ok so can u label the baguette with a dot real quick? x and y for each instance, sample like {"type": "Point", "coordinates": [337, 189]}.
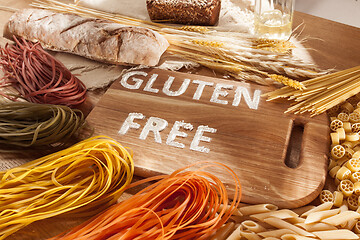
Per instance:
{"type": "Point", "coordinates": [96, 39]}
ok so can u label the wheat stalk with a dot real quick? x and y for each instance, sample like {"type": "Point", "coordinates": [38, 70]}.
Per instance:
{"type": "Point", "coordinates": [273, 45]}
{"type": "Point", "coordinates": [259, 56]}
{"type": "Point", "coordinates": [200, 29]}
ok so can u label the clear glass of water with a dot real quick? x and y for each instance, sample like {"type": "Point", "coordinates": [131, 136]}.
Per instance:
{"type": "Point", "coordinates": [273, 18]}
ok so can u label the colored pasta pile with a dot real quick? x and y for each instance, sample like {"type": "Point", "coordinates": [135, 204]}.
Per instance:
{"type": "Point", "coordinates": [344, 164]}
{"type": "Point", "coordinates": [37, 76]}
{"type": "Point", "coordinates": [266, 221]}
{"type": "Point", "coordinates": [27, 124]}
{"type": "Point", "coordinates": [184, 205]}
{"type": "Point", "coordinates": [85, 178]}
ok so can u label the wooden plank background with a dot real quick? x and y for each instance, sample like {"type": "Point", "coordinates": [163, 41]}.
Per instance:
{"type": "Point", "coordinates": [332, 45]}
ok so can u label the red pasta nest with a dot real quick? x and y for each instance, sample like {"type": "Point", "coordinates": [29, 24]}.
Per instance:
{"type": "Point", "coordinates": [38, 76]}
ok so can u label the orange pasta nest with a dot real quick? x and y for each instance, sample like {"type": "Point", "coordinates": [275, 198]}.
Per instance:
{"type": "Point", "coordinates": [183, 205]}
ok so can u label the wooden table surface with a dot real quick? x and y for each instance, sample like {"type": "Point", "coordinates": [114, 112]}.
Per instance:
{"type": "Point", "coordinates": [331, 45]}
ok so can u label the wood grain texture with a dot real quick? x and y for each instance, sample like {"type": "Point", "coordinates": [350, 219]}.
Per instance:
{"type": "Point", "coordinates": [332, 45]}
{"type": "Point", "coordinates": [253, 142]}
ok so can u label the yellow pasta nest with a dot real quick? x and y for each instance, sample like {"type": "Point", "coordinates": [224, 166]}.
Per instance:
{"type": "Point", "coordinates": [85, 178]}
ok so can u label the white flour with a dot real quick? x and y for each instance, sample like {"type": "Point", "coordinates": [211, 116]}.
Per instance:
{"type": "Point", "coordinates": [131, 8]}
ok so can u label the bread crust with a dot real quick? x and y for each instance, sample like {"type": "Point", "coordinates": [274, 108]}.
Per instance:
{"type": "Point", "coordinates": [92, 38]}
{"type": "Point", "coordinates": [194, 12]}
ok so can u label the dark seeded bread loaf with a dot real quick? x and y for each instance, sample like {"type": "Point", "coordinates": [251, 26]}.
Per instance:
{"type": "Point", "coordinates": [194, 12]}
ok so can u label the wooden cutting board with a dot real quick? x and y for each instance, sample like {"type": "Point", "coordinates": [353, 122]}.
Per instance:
{"type": "Point", "coordinates": [172, 119]}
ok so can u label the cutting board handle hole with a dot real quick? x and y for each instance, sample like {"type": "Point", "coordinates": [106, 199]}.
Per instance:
{"type": "Point", "coordinates": [293, 152]}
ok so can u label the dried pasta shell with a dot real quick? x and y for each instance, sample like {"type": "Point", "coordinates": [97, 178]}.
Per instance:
{"type": "Point", "coordinates": [347, 127]}
{"type": "Point", "coordinates": [357, 188]}
{"type": "Point", "coordinates": [357, 227]}
{"type": "Point", "coordinates": [353, 202]}
{"type": "Point", "coordinates": [342, 133]}
{"type": "Point", "coordinates": [342, 161]}
{"type": "Point", "coordinates": [352, 137]}
{"type": "Point", "coordinates": [348, 145]}
{"type": "Point", "coordinates": [347, 187]}
{"type": "Point", "coordinates": [337, 151]}
{"type": "Point", "coordinates": [343, 173]}
{"type": "Point", "coordinates": [334, 138]}
{"type": "Point", "coordinates": [335, 124]}
{"type": "Point", "coordinates": [354, 117]}
{"type": "Point", "coordinates": [333, 171]}
{"type": "Point", "coordinates": [356, 152]}
{"type": "Point", "coordinates": [355, 127]}
{"type": "Point", "coordinates": [348, 153]}
{"type": "Point", "coordinates": [332, 118]}
{"type": "Point", "coordinates": [338, 198]}
{"type": "Point", "coordinates": [355, 177]}
{"type": "Point", "coordinates": [353, 164]}
{"type": "Point", "coordinates": [343, 116]}
{"type": "Point", "coordinates": [326, 196]}
{"type": "Point", "coordinates": [332, 163]}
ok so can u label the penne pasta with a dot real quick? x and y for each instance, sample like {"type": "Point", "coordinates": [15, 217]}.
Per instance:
{"type": "Point", "coordinates": [249, 235]}
{"type": "Point", "coordinates": [281, 224]}
{"type": "Point", "coordinates": [296, 220]}
{"type": "Point", "coordinates": [276, 233]}
{"type": "Point", "coordinates": [318, 216]}
{"type": "Point", "coordinates": [295, 237]}
{"type": "Point", "coordinates": [341, 218]}
{"type": "Point", "coordinates": [238, 219]}
{"type": "Point", "coordinates": [302, 210]}
{"type": "Point", "coordinates": [321, 207]}
{"type": "Point", "coordinates": [336, 234]}
{"type": "Point", "coordinates": [252, 226]}
{"type": "Point", "coordinates": [344, 207]}
{"type": "Point", "coordinates": [351, 224]}
{"type": "Point", "coordinates": [259, 208]}
{"type": "Point", "coordinates": [271, 238]}
{"type": "Point", "coordinates": [235, 235]}
{"type": "Point", "coordinates": [281, 214]}
{"type": "Point", "coordinates": [316, 226]}
{"type": "Point", "coordinates": [224, 231]}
